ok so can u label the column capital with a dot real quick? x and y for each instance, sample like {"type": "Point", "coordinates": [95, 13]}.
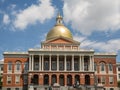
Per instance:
{"type": "Point", "coordinates": [91, 55]}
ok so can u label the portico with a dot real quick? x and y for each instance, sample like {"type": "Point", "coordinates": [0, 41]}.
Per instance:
{"type": "Point", "coordinates": [61, 62]}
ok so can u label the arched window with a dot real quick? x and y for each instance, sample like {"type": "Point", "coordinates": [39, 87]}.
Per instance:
{"type": "Point", "coordinates": [110, 67]}
{"type": "Point", "coordinates": [102, 66]}
{"type": "Point", "coordinates": [18, 66]}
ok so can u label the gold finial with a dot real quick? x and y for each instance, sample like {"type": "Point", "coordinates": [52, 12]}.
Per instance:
{"type": "Point", "coordinates": [59, 19]}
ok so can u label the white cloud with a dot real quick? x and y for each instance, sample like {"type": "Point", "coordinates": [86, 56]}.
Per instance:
{"type": "Point", "coordinates": [35, 13]}
{"type": "Point", "coordinates": [112, 45]}
{"type": "Point", "coordinates": [6, 19]}
{"type": "Point", "coordinates": [88, 16]}
{"type": "Point", "coordinates": [2, 60]}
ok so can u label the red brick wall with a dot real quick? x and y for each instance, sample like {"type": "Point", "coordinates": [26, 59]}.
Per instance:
{"type": "Point", "coordinates": [13, 60]}
{"type": "Point", "coordinates": [107, 61]}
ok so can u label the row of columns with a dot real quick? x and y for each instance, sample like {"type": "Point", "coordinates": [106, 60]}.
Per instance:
{"type": "Point", "coordinates": [41, 63]}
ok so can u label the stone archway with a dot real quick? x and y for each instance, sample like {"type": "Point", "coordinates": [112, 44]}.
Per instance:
{"type": "Point", "coordinates": [69, 80]}
{"type": "Point", "coordinates": [87, 80]}
{"type": "Point", "coordinates": [54, 79]}
{"type": "Point", "coordinates": [35, 79]}
{"type": "Point", "coordinates": [46, 79]}
{"type": "Point", "coordinates": [77, 79]}
{"type": "Point", "coordinates": [61, 80]}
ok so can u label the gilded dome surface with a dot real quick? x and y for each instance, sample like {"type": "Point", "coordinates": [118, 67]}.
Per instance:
{"type": "Point", "coordinates": [59, 30]}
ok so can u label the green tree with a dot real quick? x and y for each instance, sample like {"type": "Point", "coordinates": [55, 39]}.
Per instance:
{"type": "Point", "coordinates": [118, 84]}
{"type": "Point", "coordinates": [0, 81]}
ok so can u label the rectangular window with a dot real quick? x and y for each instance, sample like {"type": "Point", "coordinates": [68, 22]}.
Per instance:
{"type": "Point", "coordinates": [54, 65]}
{"type": "Point", "coordinates": [103, 80]}
{"type": "Point", "coordinates": [76, 65]}
{"type": "Point", "coordinates": [8, 88]}
{"type": "Point", "coordinates": [61, 65]}
{"type": "Point", "coordinates": [1, 66]}
{"type": "Point", "coordinates": [68, 65]}
{"type": "Point", "coordinates": [118, 68]}
{"type": "Point", "coordinates": [9, 79]}
{"type": "Point", "coordinates": [119, 76]}
{"type": "Point", "coordinates": [36, 66]}
{"type": "Point", "coordinates": [16, 88]}
{"type": "Point", "coordinates": [25, 79]}
{"type": "Point", "coordinates": [111, 80]}
{"type": "Point", "coordinates": [9, 66]}
{"type": "Point", "coordinates": [17, 79]}
{"type": "Point", "coordinates": [95, 66]}
{"type": "Point", "coordinates": [111, 88]}
{"type": "Point", "coordinates": [86, 66]}
{"type": "Point", "coordinates": [25, 66]}
{"type": "Point", "coordinates": [46, 65]}
{"type": "Point", "coordinates": [110, 67]}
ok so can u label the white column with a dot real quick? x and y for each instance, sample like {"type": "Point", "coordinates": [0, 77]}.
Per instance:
{"type": "Point", "coordinates": [80, 67]}
{"type": "Point", "coordinates": [39, 62]}
{"type": "Point", "coordinates": [72, 62]}
{"type": "Point", "coordinates": [29, 62]}
{"type": "Point", "coordinates": [42, 64]}
{"type": "Point", "coordinates": [57, 62]}
{"type": "Point", "coordinates": [83, 63]}
{"type": "Point", "coordinates": [49, 62]}
{"type": "Point", "coordinates": [65, 63]}
{"type": "Point", "coordinates": [32, 62]}
{"type": "Point", "coordinates": [92, 63]}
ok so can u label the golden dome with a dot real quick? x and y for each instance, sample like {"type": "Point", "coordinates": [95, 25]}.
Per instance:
{"type": "Point", "coordinates": [59, 30]}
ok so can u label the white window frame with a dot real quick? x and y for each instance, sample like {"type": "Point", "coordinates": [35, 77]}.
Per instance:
{"type": "Point", "coordinates": [103, 80]}
{"type": "Point", "coordinates": [16, 66]}
{"type": "Point", "coordinates": [119, 76]}
{"type": "Point", "coordinates": [110, 68]}
{"type": "Point", "coordinates": [25, 67]}
{"type": "Point", "coordinates": [9, 65]}
{"type": "Point", "coordinates": [25, 77]}
{"type": "Point", "coordinates": [9, 79]}
{"type": "Point", "coordinates": [17, 79]}
{"type": "Point", "coordinates": [103, 66]}
{"type": "Point", "coordinates": [111, 80]}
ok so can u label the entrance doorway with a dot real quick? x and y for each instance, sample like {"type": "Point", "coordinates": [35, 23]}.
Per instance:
{"type": "Point", "coordinates": [61, 82]}
{"type": "Point", "coordinates": [87, 80]}
{"type": "Point", "coordinates": [46, 79]}
{"type": "Point", "coordinates": [69, 80]}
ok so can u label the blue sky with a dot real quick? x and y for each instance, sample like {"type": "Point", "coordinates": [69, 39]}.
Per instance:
{"type": "Point", "coordinates": [94, 23]}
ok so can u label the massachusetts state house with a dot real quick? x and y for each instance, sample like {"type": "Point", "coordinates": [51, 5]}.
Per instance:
{"type": "Point", "coordinates": [60, 61]}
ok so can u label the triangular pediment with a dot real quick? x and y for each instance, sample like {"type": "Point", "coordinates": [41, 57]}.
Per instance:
{"type": "Point", "coordinates": [61, 40]}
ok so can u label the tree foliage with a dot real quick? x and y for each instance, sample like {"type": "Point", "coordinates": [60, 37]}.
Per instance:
{"type": "Point", "coordinates": [118, 84]}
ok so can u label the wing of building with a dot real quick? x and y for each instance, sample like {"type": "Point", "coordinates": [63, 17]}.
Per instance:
{"type": "Point", "coordinates": [59, 62]}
